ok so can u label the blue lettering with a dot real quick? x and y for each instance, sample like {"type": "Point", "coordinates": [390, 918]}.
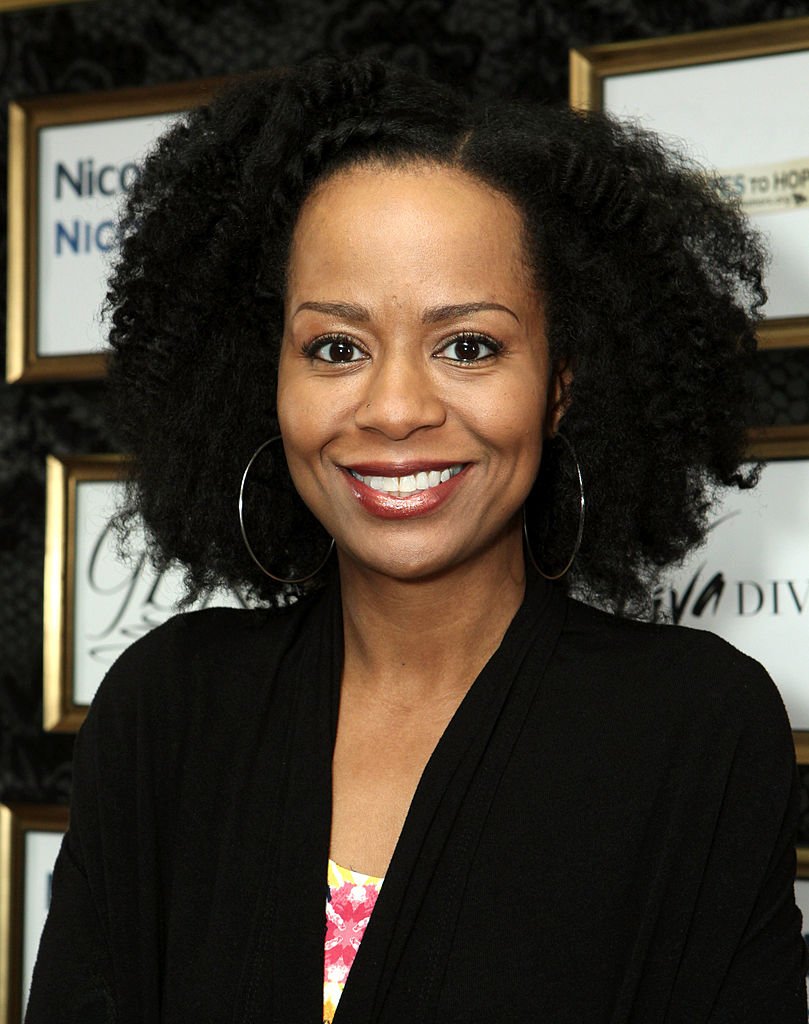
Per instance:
{"type": "Point", "coordinates": [63, 174]}
{"type": "Point", "coordinates": [102, 175]}
{"type": "Point", "coordinates": [83, 236]}
{"type": "Point", "coordinates": [62, 234]}
{"type": "Point", "coordinates": [108, 180]}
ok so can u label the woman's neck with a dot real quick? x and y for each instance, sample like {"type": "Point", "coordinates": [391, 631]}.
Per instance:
{"type": "Point", "coordinates": [412, 642]}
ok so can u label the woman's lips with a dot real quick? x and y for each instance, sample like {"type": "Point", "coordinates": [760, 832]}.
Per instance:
{"type": "Point", "coordinates": [402, 491]}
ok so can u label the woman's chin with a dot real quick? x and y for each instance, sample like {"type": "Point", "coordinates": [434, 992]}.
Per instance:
{"type": "Point", "coordinates": [414, 564]}
{"type": "Point", "coordinates": [406, 566]}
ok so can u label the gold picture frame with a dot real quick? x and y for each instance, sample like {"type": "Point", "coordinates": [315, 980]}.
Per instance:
{"type": "Point", "coordinates": [784, 442]}
{"type": "Point", "coordinates": [30, 121]}
{"type": "Point", "coordinates": [61, 711]}
{"type": "Point", "coordinates": [23, 5]}
{"type": "Point", "coordinates": [96, 602]}
{"type": "Point", "coordinates": [803, 866]}
{"type": "Point", "coordinates": [591, 68]}
{"type": "Point", "coordinates": [17, 939]}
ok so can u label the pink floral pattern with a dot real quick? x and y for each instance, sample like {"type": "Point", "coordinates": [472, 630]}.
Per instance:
{"type": "Point", "coordinates": [350, 901]}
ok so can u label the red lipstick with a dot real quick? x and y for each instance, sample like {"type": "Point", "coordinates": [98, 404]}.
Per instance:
{"type": "Point", "coordinates": [385, 505]}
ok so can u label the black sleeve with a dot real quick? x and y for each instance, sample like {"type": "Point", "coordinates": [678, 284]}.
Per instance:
{"type": "Point", "coordinates": [82, 968]}
{"type": "Point", "coordinates": [72, 976]}
{"type": "Point", "coordinates": [767, 977]}
{"type": "Point", "coordinates": [755, 840]}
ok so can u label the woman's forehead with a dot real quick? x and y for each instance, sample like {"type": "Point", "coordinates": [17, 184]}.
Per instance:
{"type": "Point", "coordinates": [410, 225]}
{"type": "Point", "coordinates": [412, 185]}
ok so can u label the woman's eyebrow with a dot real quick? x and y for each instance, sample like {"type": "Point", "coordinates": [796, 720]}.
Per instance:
{"type": "Point", "coordinates": [438, 313]}
{"type": "Point", "coordinates": [343, 310]}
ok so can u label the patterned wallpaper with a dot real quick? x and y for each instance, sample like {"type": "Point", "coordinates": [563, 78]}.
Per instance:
{"type": "Point", "coordinates": [514, 47]}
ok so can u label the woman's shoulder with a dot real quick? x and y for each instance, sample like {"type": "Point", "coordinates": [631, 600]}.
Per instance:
{"type": "Point", "coordinates": [197, 655]}
{"type": "Point", "coordinates": [685, 670]}
{"type": "Point", "coordinates": [185, 636]}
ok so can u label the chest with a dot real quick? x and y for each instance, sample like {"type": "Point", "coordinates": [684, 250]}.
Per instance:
{"type": "Point", "coordinates": [378, 760]}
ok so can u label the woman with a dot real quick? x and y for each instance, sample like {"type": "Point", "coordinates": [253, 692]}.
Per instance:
{"type": "Point", "coordinates": [501, 354]}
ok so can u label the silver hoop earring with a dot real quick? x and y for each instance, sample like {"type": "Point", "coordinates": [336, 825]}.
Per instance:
{"type": "Point", "coordinates": [579, 532]}
{"type": "Point", "coordinates": [264, 569]}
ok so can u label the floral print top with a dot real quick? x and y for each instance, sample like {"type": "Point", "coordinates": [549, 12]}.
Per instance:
{"type": "Point", "coordinates": [350, 898]}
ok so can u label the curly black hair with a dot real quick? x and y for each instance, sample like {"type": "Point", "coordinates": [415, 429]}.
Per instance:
{"type": "Point", "coordinates": [652, 282]}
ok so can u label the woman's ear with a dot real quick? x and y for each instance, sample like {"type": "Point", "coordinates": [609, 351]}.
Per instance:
{"type": "Point", "coordinates": [559, 396]}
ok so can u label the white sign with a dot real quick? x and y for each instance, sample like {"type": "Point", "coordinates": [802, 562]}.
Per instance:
{"type": "Point", "coordinates": [41, 849]}
{"type": "Point", "coordinates": [726, 113]}
{"type": "Point", "coordinates": [750, 582]}
{"type": "Point", "coordinates": [115, 602]}
{"type": "Point", "coordinates": [84, 170]}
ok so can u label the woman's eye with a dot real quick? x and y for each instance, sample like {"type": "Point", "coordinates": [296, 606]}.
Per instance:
{"type": "Point", "coordinates": [335, 350]}
{"type": "Point", "coordinates": [470, 348]}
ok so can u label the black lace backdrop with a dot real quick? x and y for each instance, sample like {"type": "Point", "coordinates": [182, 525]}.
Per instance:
{"type": "Point", "coordinates": [513, 47]}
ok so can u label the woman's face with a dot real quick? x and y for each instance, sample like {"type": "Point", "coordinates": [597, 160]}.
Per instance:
{"type": "Point", "coordinates": [414, 380]}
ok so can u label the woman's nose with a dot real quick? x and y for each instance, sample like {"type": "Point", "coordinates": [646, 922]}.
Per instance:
{"type": "Point", "coordinates": [400, 396]}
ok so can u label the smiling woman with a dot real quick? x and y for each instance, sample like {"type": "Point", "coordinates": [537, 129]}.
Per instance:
{"type": "Point", "coordinates": [447, 368]}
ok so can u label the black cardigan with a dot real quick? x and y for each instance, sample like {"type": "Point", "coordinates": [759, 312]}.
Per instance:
{"type": "Point", "coordinates": [603, 835]}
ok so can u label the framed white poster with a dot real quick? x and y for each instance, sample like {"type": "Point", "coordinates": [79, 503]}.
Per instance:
{"type": "Point", "coordinates": [735, 100]}
{"type": "Point", "coordinates": [71, 160]}
{"type": "Point", "coordinates": [96, 604]}
{"type": "Point", "coordinates": [30, 837]}
{"type": "Point", "coordinates": [750, 581]}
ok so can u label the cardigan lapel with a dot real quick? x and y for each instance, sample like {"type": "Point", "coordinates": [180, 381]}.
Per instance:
{"type": "Point", "coordinates": [283, 981]}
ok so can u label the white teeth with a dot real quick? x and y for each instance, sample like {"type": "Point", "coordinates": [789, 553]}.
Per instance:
{"type": "Point", "coordinates": [404, 486]}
